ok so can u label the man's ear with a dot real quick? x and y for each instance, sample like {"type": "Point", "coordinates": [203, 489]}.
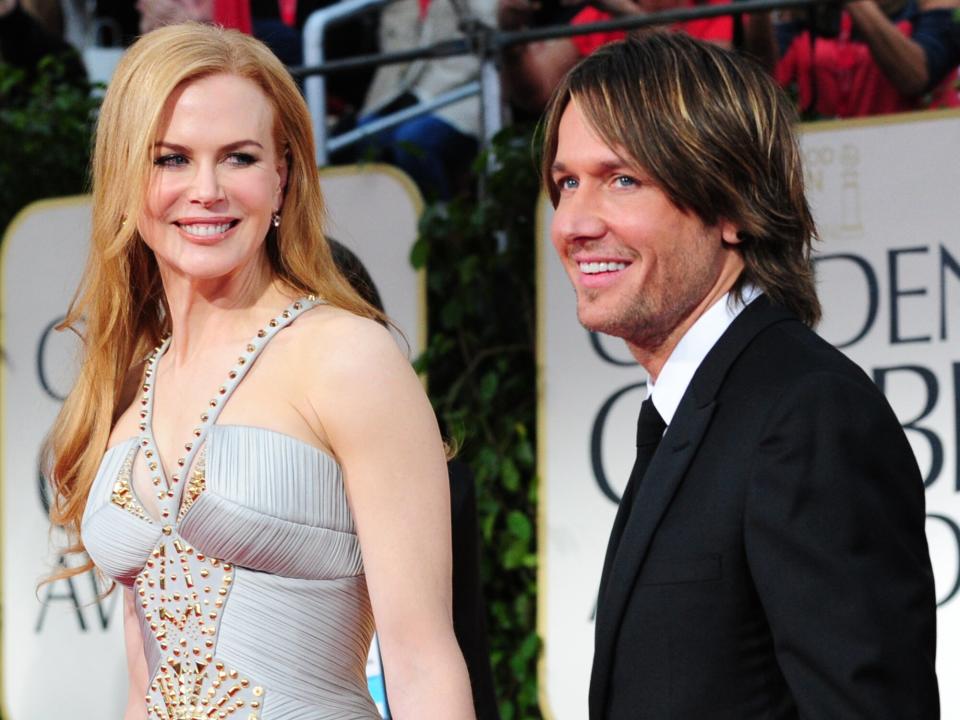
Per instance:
{"type": "Point", "coordinates": [731, 234]}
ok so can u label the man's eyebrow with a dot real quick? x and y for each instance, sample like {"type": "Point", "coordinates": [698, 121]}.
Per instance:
{"type": "Point", "coordinates": [618, 164]}
{"type": "Point", "coordinates": [226, 148]}
{"type": "Point", "coordinates": [602, 165]}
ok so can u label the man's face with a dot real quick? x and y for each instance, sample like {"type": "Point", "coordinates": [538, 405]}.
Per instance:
{"type": "Point", "coordinates": [643, 269]}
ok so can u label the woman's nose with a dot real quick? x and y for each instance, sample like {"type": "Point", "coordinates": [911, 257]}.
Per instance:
{"type": "Point", "coordinates": [206, 188]}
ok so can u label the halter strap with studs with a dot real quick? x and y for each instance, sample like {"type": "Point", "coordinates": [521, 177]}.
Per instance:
{"type": "Point", "coordinates": [168, 493]}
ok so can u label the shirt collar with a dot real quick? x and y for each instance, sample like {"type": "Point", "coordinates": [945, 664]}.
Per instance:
{"type": "Point", "coordinates": [693, 347]}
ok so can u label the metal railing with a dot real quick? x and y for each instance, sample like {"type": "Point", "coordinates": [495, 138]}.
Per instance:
{"type": "Point", "coordinates": [388, 121]}
{"type": "Point", "coordinates": [480, 40]}
{"type": "Point", "coordinates": [315, 84]}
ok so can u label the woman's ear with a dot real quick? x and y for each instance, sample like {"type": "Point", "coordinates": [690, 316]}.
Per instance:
{"type": "Point", "coordinates": [283, 167]}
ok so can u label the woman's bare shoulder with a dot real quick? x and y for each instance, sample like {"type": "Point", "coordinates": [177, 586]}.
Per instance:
{"type": "Point", "coordinates": [340, 341]}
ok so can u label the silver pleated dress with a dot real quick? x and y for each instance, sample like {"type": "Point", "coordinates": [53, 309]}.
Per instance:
{"type": "Point", "coordinates": [249, 587]}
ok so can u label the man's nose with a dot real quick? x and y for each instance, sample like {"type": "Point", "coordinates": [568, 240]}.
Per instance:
{"type": "Point", "coordinates": [578, 217]}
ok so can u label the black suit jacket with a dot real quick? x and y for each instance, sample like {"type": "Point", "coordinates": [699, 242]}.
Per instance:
{"type": "Point", "coordinates": [772, 563]}
{"type": "Point", "coordinates": [469, 608]}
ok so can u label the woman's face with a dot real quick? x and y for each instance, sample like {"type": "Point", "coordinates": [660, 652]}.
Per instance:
{"type": "Point", "coordinates": [216, 181]}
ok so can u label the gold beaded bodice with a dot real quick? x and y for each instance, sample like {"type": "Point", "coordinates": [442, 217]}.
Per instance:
{"type": "Point", "coordinates": [203, 666]}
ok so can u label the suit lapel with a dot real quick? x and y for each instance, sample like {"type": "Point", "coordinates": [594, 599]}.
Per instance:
{"type": "Point", "coordinates": [644, 457]}
{"type": "Point", "coordinates": [623, 512]}
{"type": "Point", "coordinates": [663, 477]}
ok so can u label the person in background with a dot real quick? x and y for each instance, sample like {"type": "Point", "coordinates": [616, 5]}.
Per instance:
{"type": "Point", "coordinates": [876, 56]}
{"type": "Point", "coordinates": [157, 13]}
{"type": "Point", "coordinates": [279, 24]}
{"type": "Point", "coordinates": [532, 70]}
{"type": "Point", "coordinates": [437, 148]}
{"type": "Point", "coordinates": [246, 451]}
{"type": "Point", "coordinates": [26, 38]}
{"type": "Point", "coordinates": [768, 558]}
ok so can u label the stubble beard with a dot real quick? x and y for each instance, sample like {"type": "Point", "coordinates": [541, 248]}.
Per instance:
{"type": "Point", "coordinates": [648, 318]}
{"type": "Point", "coordinates": [637, 321]}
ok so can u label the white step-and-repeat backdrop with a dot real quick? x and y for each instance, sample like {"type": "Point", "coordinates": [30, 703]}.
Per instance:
{"type": "Point", "coordinates": [62, 646]}
{"type": "Point", "coordinates": [885, 195]}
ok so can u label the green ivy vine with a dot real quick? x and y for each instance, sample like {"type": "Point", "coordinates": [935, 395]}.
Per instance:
{"type": "Point", "coordinates": [480, 360]}
{"type": "Point", "coordinates": [46, 122]}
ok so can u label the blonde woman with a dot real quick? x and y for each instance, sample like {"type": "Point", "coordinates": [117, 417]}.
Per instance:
{"type": "Point", "coordinates": [246, 451]}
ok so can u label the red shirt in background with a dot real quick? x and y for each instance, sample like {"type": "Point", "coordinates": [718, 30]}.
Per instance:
{"type": "Point", "coordinates": [236, 14]}
{"type": "Point", "coordinates": [715, 29]}
{"type": "Point", "coordinates": [233, 14]}
{"type": "Point", "coordinates": [841, 75]}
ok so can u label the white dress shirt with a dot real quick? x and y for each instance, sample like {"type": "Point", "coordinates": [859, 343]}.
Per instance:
{"type": "Point", "coordinates": [693, 347]}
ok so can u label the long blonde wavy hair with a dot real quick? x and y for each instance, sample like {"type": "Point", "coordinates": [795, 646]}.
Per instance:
{"type": "Point", "coordinates": [119, 310]}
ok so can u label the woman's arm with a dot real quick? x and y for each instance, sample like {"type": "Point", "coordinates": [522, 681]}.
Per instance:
{"type": "Point", "coordinates": [136, 660]}
{"type": "Point", "coordinates": [382, 429]}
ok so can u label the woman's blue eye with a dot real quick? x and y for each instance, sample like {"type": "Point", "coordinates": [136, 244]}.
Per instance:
{"type": "Point", "coordinates": [171, 160]}
{"type": "Point", "coordinates": [625, 181]}
{"type": "Point", "coordinates": [242, 159]}
{"type": "Point", "coordinates": [567, 183]}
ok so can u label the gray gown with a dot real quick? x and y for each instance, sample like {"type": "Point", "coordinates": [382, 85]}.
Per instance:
{"type": "Point", "coordinates": [249, 588]}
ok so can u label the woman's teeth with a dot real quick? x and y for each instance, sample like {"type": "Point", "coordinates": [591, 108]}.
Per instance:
{"type": "Point", "coordinates": [206, 229]}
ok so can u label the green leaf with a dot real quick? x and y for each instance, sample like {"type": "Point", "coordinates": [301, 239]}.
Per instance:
{"type": "Point", "coordinates": [452, 314]}
{"type": "Point", "coordinates": [419, 253]}
{"type": "Point", "coordinates": [524, 453]}
{"type": "Point", "coordinates": [509, 475]}
{"type": "Point", "coordinates": [530, 647]}
{"type": "Point", "coordinates": [519, 525]}
{"type": "Point", "coordinates": [515, 555]}
{"type": "Point", "coordinates": [488, 386]}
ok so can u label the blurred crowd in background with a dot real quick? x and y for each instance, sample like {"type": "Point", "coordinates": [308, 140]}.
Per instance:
{"type": "Point", "coordinates": [859, 58]}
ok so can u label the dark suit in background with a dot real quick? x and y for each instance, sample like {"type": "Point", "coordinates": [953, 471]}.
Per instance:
{"type": "Point", "coordinates": [469, 608]}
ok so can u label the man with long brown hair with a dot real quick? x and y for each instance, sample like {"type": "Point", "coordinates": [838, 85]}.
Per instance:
{"type": "Point", "coordinates": [768, 559]}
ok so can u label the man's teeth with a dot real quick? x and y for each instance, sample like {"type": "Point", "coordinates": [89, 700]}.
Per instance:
{"type": "Point", "coordinates": [206, 228]}
{"type": "Point", "coordinates": [591, 268]}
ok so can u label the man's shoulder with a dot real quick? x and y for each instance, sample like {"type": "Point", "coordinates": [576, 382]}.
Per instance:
{"type": "Point", "coordinates": [791, 358]}
{"type": "Point", "coordinates": [768, 342]}
{"type": "Point", "coordinates": [794, 348]}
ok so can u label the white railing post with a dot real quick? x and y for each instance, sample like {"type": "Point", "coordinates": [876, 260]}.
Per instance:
{"type": "Point", "coordinates": [315, 86]}
{"type": "Point", "coordinates": [491, 100]}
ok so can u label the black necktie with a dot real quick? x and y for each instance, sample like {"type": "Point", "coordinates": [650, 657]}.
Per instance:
{"type": "Point", "coordinates": [650, 427]}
